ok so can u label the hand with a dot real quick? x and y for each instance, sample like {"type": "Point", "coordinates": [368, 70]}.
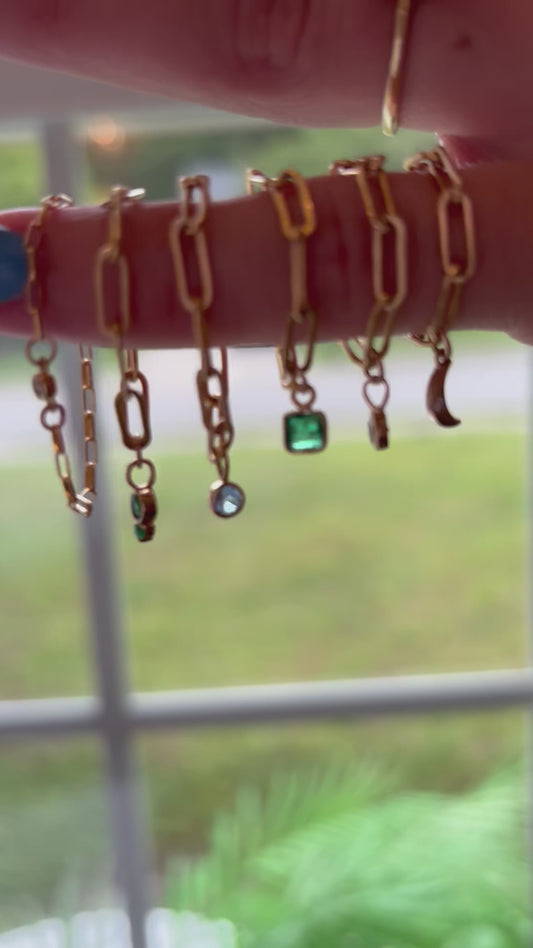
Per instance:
{"type": "Point", "coordinates": [302, 62]}
{"type": "Point", "coordinates": [469, 73]}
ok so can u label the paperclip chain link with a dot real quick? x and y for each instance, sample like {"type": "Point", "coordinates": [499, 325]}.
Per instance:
{"type": "Point", "coordinates": [384, 221]}
{"type": "Point", "coordinates": [41, 351]}
{"type": "Point", "coordinates": [292, 369]}
{"type": "Point", "coordinates": [188, 227]}
{"type": "Point", "coordinates": [133, 383]}
{"type": "Point", "coordinates": [187, 237]}
{"type": "Point", "coordinates": [455, 272]}
{"type": "Point", "coordinates": [385, 224]}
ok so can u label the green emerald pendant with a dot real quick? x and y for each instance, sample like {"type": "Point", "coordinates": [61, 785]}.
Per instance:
{"type": "Point", "coordinates": [144, 510]}
{"type": "Point", "coordinates": [305, 432]}
{"type": "Point", "coordinates": [144, 532]}
{"type": "Point", "coordinates": [136, 507]}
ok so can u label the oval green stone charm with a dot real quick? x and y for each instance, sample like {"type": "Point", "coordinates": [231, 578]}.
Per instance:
{"type": "Point", "coordinates": [136, 507]}
{"type": "Point", "coordinates": [144, 509]}
{"type": "Point", "coordinates": [144, 531]}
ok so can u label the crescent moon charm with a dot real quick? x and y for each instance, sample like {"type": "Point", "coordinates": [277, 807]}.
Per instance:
{"type": "Point", "coordinates": [436, 399]}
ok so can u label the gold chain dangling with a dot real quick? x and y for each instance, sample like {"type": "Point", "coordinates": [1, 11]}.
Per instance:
{"type": "Point", "coordinates": [373, 186]}
{"type": "Point", "coordinates": [304, 430]}
{"type": "Point", "coordinates": [226, 498]}
{"type": "Point", "coordinates": [41, 351]}
{"type": "Point", "coordinates": [455, 273]}
{"type": "Point", "coordinates": [133, 384]}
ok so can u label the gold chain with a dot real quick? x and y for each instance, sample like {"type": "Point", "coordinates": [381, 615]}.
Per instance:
{"type": "Point", "coordinates": [385, 224]}
{"type": "Point", "coordinates": [292, 370]}
{"type": "Point", "coordinates": [133, 383]}
{"type": "Point", "coordinates": [187, 235]}
{"type": "Point", "coordinates": [212, 382]}
{"type": "Point", "coordinates": [374, 187]}
{"type": "Point", "coordinates": [455, 272]}
{"type": "Point", "coordinates": [41, 352]}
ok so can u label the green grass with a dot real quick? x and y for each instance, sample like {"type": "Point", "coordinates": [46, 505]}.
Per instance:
{"type": "Point", "coordinates": [351, 563]}
{"type": "Point", "coordinates": [348, 564]}
{"type": "Point", "coordinates": [22, 174]}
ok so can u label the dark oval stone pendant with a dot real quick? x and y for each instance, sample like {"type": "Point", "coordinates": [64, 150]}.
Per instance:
{"type": "Point", "coordinates": [378, 429]}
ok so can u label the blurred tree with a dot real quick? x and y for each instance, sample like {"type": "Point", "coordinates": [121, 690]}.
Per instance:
{"type": "Point", "coordinates": [21, 174]}
{"type": "Point", "coordinates": [154, 160]}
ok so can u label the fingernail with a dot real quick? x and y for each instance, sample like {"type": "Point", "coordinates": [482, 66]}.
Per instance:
{"type": "Point", "coordinates": [13, 265]}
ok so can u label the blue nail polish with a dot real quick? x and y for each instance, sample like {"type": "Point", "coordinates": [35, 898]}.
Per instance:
{"type": "Point", "coordinates": [13, 265]}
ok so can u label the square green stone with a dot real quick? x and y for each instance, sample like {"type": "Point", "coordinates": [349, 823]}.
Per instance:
{"type": "Point", "coordinates": [305, 432]}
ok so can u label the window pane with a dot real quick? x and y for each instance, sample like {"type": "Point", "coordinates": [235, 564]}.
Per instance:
{"type": "Point", "coordinates": [350, 563]}
{"type": "Point", "coordinates": [44, 647]}
{"type": "Point", "coordinates": [55, 857]}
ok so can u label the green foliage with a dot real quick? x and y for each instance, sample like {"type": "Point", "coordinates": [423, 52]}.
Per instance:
{"type": "Point", "coordinates": [336, 861]}
{"type": "Point", "coordinates": [155, 160]}
{"type": "Point", "coordinates": [312, 151]}
{"type": "Point", "coordinates": [21, 174]}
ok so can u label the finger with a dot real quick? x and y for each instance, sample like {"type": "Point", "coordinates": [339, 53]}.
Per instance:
{"type": "Point", "coordinates": [250, 263]}
{"type": "Point", "coordinates": [469, 67]}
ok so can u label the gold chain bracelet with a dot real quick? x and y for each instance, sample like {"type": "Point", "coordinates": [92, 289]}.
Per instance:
{"type": "Point", "coordinates": [384, 222]}
{"type": "Point", "coordinates": [455, 273]}
{"type": "Point", "coordinates": [41, 351]}
{"type": "Point", "coordinates": [226, 498]}
{"type": "Point", "coordinates": [133, 384]}
{"type": "Point", "coordinates": [304, 430]}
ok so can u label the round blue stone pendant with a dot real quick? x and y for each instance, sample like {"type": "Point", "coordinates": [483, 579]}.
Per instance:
{"type": "Point", "coordinates": [226, 499]}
